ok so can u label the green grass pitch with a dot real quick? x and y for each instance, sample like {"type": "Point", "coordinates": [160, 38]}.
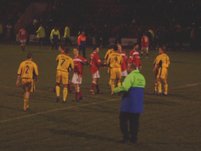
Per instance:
{"type": "Point", "coordinates": [169, 123]}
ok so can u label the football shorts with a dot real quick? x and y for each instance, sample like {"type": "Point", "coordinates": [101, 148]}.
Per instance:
{"type": "Point", "coordinates": [77, 79]}
{"type": "Point", "coordinates": [62, 77]}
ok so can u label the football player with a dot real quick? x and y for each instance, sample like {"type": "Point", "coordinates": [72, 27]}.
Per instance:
{"type": "Point", "coordinates": [26, 76]}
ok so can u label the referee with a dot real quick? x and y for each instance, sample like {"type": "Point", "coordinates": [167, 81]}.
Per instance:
{"type": "Point", "coordinates": [131, 104]}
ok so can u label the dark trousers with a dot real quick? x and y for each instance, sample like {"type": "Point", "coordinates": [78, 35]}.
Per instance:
{"type": "Point", "coordinates": [55, 42]}
{"type": "Point", "coordinates": [129, 125]}
{"type": "Point", "coordinates": [82, 48]}
{"type": "Point", "coordinates": [67, 41]}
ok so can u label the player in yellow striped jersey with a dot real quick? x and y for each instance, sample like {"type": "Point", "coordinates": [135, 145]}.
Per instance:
{"type": "Point", "coordinates": [109, 51]}
{"type": "Point", "coordinates": [161, 65]}
{"type": "Point", "coordinates": [64, 65]}
{"type": "Point", "coordinates": [114, 62]}
{"type": "Point", "coordinates": [26, 75]}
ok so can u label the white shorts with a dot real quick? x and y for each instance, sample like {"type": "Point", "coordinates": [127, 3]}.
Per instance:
{"type": "Point", "coordinates": [96, 75]}
{"type": "Point", "coordinates": [124, 73]}
{"type": "Point", "coordinates": [77, 79]}
{"type": "Point", "coordinates": [145, 49]}
{"type": "Point", "coordinates": [23, 41]}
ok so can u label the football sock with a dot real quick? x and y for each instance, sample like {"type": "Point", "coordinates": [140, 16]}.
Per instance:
{"type": "Point", "coordinates": [165, 89]}
{"type": "Point", "coordinates": [159, 87]}
{"type": "Point", "coordinates": [97, 88]}
{"type": "Point", "coordinates": [26, 104]}
{"type": "Point", "coordinates": [58, 91]}
{"type": "Point", "coordinates": [65, 94]}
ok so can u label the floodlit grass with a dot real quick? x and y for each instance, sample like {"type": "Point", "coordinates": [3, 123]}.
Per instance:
{"type": "Point", "coordinates": [169, 123]}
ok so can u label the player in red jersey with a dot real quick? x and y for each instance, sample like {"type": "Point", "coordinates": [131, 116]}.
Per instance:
{"type": "Point", "coordinates": [95, 63]}
{"type": "Point", "coordinates": [22, 37]}
{"type": "Point", "coordinates": [78, 71]}
{"type": "Point", "coordinates": [134, 57]}
{"type": "Point", "coordinates": [81, 41]}
{"type": "Point", "coordinates": [124, 63]}
{"type": "Point", "coordinates": [144, 45]}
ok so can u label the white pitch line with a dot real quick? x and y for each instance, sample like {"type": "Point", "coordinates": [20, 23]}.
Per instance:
{"type": "Point", "coordinates": [187, 86]}
{"type": "Point", "coordinates": [88, 104]}
{"type": "Point", "coordinates": [55, 110]}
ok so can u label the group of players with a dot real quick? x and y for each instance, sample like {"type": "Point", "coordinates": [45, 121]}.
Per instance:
{"type": "Point", "coordinates": [115, 59]}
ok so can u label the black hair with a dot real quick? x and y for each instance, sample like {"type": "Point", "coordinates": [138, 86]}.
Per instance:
{"type": "Point", "coordinates": [29, 55]}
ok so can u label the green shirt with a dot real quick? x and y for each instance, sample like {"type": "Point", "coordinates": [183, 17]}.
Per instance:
{"type": "Point", "coordinates": [40, 33]}
{"type": "Point", "coordinates": [134, 79]}
{"type": "Point", "coordinates": [66, 32]}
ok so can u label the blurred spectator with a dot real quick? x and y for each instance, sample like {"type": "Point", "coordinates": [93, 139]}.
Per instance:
{"type": "Point", "coordinates": [8, 31]}
{"type": "Point", "coordinates": [55, 37]}
{"type": "Point", "coordinates": [40, 34]}
{"type": "Point", "coordinates": [66, 36]}
{"type": "Point", "coordinates": [81, 41]}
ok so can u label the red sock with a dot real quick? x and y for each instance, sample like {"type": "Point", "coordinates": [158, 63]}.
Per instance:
{"type": "Point", "coordinates": [97, 88]}
{"type": "Point", "coordinates": [76, 96]}
{"type": "Point", "coordinates": [80, 95]}
{"type": "Point", "coordinates": [69, 88]}
{"type": "Point", "coordinates": [93, 87]}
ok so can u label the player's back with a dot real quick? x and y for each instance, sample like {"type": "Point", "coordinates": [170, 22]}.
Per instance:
{"type": "Point", "coordinates": [64, 62]}
{"type": "Point", "coordinates": [109, 51]}
{"type": "Point", "coordinates": [27, 69]}
{"type": "Point", "coordinates": [162, 60]}
{"type": "Point", "coordinates": [115, 60]}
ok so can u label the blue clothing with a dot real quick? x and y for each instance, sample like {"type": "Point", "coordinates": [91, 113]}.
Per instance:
{"type": "Point", "coordinates": [132, 101]}
{"type": "Point", "coordinates": [133, 88]}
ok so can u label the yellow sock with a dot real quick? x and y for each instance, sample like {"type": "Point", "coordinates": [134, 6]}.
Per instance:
{"type": "Point", "coordinates": [26, 104]}
{"type": "Point", "coordinates": [65, 94]}
{"type": "Point", "coordinates": [58, 91]}
{"type": "Point", "coordinates": [165, 89]}
{"type": "Point", "coordinates": [159, 87]}
{"type": "Point", "coordinates": [112, 87]}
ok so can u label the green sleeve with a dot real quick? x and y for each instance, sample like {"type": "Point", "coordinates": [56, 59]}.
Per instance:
{"type": "Point", "coordinates": [125, 85]}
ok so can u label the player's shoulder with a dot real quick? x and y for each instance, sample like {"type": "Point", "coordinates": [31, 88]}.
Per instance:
{"type": "Point", "coordinates": [68, 57]}
{"type": "Point", "coordinates": [34, 63]}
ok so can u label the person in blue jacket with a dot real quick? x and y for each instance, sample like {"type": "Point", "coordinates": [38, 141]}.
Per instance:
{"type": "Point", "coordinates": [131, 104]}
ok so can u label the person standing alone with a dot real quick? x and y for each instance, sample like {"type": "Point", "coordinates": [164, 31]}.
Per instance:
{"type": "Point", "coordinates": [131, 104]}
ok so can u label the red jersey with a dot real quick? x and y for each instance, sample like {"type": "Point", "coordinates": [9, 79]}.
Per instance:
{"type": "Point", "coordinates": [81, 38]}
{"type": "Point", "coordinates": [78, 64]}
{"type": "Point", "coordinates": [22, 34]}
{"type": "Point", "coordinates": [124, 61]}
{"type": "Point", "coordinates": [134, 58]}
{"type": "Point", "coordinates": [95, 62]}
{"type": "Point", "coordinates": [144, 41]}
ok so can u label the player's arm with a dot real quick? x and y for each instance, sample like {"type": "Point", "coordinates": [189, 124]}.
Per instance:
{"type": "Point", "coordinates": [35, 73]}
{"type": "Point", "coordinates": [19, 72]}
{"type": "Point", "coordinates": [168, 61]}
{"type": "Point", "coordinates": [71, 65]}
